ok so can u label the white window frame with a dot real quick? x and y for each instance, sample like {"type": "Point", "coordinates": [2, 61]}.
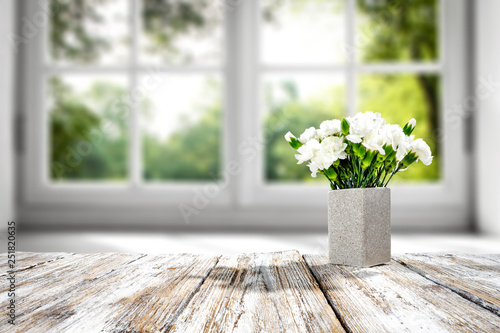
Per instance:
{"type": "Point", "coordinates": [246, 200]}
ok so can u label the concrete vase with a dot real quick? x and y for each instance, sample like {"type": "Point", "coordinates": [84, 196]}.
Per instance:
{"type": "Point", "coordinates": [359, 226]}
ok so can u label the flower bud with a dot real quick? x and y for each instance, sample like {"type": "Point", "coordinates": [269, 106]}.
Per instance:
{"type": "Point", "coordinates": [292, 140]}
{"type": "Point", "coordinates": [410, 126]}
{"type": "Point", "coordinates": [289, 136]}
{"type": "Point", "coordinates": [345, 126]}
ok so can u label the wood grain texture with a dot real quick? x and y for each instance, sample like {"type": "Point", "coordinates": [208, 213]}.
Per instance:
{"type": "Point", "coordinates": [269, 292]}
{"type": "Point", "coordinates": [393, 298]}
{"type": "Point", "coordinates": [474, 277]}
{"type": "Point", "coordinates": [25, 260]}
{"type": "Point", "coordinates": [107, 292]}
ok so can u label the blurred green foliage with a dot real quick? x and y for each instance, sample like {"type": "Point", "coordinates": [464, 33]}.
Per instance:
{"type": "Point", "coordinates": [97, 119]}
{"type": "Point", "coordinates": [398, 30]}
{"type": "Point", "coordinates": [165, 21]}
{"type": "Point", "coordinates": [193, 152]}
{"type": "Point", "coordinates": [399, 98]}
{"type": "Point", "coordinates": [88, 135]}
{"type": "Point", "coordinates": [69, 35]}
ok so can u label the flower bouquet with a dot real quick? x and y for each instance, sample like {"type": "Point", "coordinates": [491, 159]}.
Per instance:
{"type": "Point", "coordinates": [359, 155]}
{"type": "Point", "coordinates": [360, 151]}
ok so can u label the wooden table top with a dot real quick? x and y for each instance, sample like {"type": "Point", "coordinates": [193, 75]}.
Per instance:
{"type": "Point", "coordinates": [262, 292]}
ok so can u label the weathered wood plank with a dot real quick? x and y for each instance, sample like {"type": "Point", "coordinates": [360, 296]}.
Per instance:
{"type": "Point", "coordinates": [42, 286]}
{"type": "Point", "coordinates": [271, 292]}
{"type": "Point", "coordinates": [474, 277]}
{"type": "Point", "coordinates": [492, 256]}
{"type": "Point", "coordinates": [25, 260]}
{"type": "Point", "coordinates": [393, 298]}
{"type": "Point", "coordinates": [108, 292]}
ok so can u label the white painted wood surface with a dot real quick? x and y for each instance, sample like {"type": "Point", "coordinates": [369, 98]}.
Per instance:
{"type": "Point", "coordinates": [392, 298]}
{"type": "Point", "coordinates": [107, 292]}
{"type": "Point", "coordinates": [474, 277]}
{"type": "Point", "coordinates": [25, 260]}
{"type": "Point", "coordinates": [268, 292]}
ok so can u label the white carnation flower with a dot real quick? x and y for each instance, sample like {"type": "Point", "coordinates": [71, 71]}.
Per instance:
{"type": "Point", "coordinates": [404, 146]}
{"type": "Point", "coordinates": [307, 151]}
{"type": "Point", "coordinates": [393, 135]}
{"type": "Point", "coordinates": [354, 138]}
{"type": "Point", "coordinates": [289, 136]}
{"type": "Point", "coordinates": [313, 167]}
{"type": "Point", "coordinates": [422, 151]}
{"type": "Point", "coordinates": [331, 149]}
{"type": "Point", "coordinates": [335, 146]}
{"type": "Point", "coordinates": [308, 134]}
{"type": "Point", "coordinates": [375, 142]}
{"type": "Point", "coordinates": [329, 127]}
{"type": "Point", "coordinates": [323, 161]}
{"type": "Point", "coordinates": [412, 122]}
{"type": "Point", "coordinates": [362, 124]}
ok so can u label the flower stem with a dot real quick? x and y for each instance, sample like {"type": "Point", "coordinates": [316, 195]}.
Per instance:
{"type": "Point", "coordinates": [392, 175]}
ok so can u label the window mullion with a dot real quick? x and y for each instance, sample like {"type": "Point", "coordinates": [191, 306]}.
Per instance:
{"type": "Point", "coordinates": [246, 45]}
{"type": "Point", "coordinates": [350, 55]}
{"type": "Point", "coordinates": [135, 158]}
{"type": "Point", "coordinates": [230, 95]}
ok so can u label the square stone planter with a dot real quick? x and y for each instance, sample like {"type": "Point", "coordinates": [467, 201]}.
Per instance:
{"type": "Point", "coordinates": [359, 226]}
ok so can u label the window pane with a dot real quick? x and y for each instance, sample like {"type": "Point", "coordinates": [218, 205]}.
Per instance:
{"type": "Point", "coordinates": [89, 32]}
{"type": "Point", "coordinates": [389, 30]}
{"type": "Point", "coordinates": [181, 32]}
{"type": "Point", "coordinates": [293, 103]}
{"type": "Point", "coordinates": [402, 97]}
{"type": "Point", "coordinates": [88, 127]}
{"type": "Point", "coordinates": [302, 32]}
{"type": "Point", "coordinates": [181, 128]}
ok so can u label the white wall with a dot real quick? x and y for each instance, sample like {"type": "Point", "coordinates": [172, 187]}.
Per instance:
{"type": "Point", "coordinates": [6, 114]}
{"type": "Point", "coordinates": [488, 115]}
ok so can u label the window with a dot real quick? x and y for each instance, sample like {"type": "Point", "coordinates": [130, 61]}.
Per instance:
{"type": "Point", "coordinates": [128, 95]}
{"type": "Point", "coordinates": [129, 72]}
{"type": "Point", "coordinates": [145, 103]}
